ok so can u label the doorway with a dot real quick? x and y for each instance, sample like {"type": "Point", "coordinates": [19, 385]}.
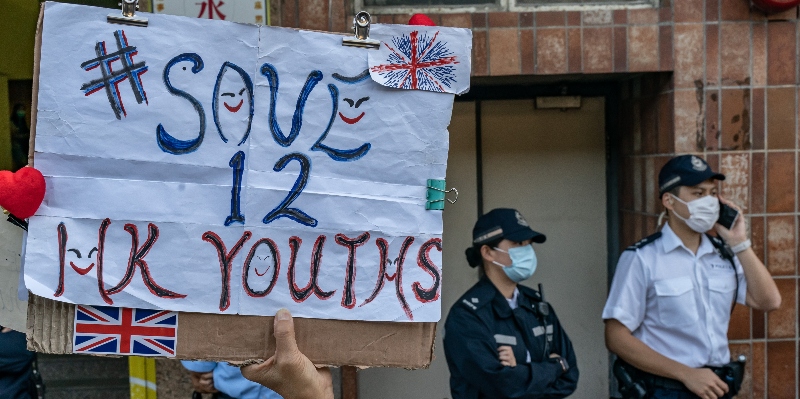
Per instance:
{"type": "Point", "coordinates": [550, 164]}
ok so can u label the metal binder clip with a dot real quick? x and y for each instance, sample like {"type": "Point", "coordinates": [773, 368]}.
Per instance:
{"type": "Point", "coordinates": [361, 30]}
{"type": "Point", "coordinates": [128, 17]}
{"type": "Point", "coordinates": [436, 195]}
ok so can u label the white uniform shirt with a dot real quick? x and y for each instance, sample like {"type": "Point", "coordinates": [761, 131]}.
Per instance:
{"type": "Point", "coordinates": [676, 302]}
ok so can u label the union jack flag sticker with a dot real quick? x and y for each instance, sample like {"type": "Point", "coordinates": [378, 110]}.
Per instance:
{"type": "Point", "coordinates": [437, 59]}
{"type": "Point", "coordinates": [125, 331]}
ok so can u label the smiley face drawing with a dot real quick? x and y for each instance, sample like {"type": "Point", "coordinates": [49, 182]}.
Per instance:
{"type": "Point", "coordinates": [234, 89]}
{"type": "Point", "coordinates": [238, 106]}
{"type": "Point", "coordinates": [351, 114]}
{"type": "Point", "coordinates": [263, 255]}
{"type": "Point", "coordinates": [356, 104]}
{"type": "Point", "coordinates": [82, 270]}
{"type": "Point", "coordinates": [353, 102]}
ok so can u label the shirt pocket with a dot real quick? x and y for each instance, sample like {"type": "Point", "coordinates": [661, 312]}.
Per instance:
{"type": "Point", "coordinates": [720, 289]}
{"type": "Point", "coordinates": [675, 301]}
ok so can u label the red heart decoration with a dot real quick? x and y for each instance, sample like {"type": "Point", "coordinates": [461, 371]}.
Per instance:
{"type": "Point", "coordinates": [421, 19]}
{"type": "Point", "coordinates": [22, 192]}
{"type": "Point", "coordinates": [773, 6]}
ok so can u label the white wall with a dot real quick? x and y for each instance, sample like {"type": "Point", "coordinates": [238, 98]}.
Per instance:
{"type": "Point", "coordinates": [551, 166]}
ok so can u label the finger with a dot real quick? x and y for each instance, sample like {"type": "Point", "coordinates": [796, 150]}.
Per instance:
{"type": "Point", "coordinates": [717, 391]}
{"type": "Point", "coordinates": [285, 344]}
{"type": "Point", "coordinates": [253, 371]}
{"type": "Point", "coordinates": [723, 386]}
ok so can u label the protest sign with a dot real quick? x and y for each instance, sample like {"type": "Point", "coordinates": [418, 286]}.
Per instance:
{"type": "Point", "coordinates": [205, 166]}
{"type": "Point", "coordinates": [215, 167]}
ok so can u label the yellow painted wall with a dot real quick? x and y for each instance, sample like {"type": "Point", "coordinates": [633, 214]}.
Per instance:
{"type": "Point", "coordinates": [17, 33]}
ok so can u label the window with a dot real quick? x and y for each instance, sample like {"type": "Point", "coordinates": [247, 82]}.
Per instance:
{"type": "Point", "coordinates": [453, 6]}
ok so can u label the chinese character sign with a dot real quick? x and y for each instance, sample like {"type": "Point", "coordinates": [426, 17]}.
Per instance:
{"type": "Point", "coordinates": [245, 11]}
{"type": "Point", "coordinates": [207, 166]}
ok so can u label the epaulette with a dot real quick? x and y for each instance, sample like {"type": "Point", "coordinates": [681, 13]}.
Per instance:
{"type": "Point", "coordinates": [530, 292]}
{"type": "Point", "coordinates": [478, 296]}
{"type": "Point", "coordinates": [644, 241]}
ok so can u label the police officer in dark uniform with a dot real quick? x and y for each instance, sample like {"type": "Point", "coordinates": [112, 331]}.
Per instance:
{"type": "Point", "coordinates": [18, 378]}
{"type": "Point", "coordinates": [502, 340]}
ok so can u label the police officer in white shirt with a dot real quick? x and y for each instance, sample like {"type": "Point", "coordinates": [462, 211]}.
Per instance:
{"type": "Point", "coordinates": [671, 298]}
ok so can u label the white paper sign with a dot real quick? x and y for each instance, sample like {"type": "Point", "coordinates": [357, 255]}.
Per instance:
{"type": "Point", "coordinates": [13, 311]}
{"type": "Point", "coordinates": [215, 167]}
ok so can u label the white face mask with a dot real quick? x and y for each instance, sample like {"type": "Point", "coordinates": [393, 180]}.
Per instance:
{"type": "Point", "coordinates": [703, 213]}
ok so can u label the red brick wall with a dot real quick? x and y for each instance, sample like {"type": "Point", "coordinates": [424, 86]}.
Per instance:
{"type": "Point", "coordinates": [727, 89]}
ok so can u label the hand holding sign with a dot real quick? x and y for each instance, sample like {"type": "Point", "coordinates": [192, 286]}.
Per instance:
{"type": "Point", "coordinates": [289, 372]}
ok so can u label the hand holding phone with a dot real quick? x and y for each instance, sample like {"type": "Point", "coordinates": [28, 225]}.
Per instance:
{"type": "Point", "coordinates": [727, 215]}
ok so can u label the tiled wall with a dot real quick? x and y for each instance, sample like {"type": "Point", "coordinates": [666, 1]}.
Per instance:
{"type": "Point", "coordinates": [719, 80]}
{"type": "Point", "coordinates": [733, 99]}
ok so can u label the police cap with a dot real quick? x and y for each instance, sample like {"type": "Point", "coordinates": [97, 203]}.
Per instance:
{"type": "Point", "coordinates": [504, 223]}
{"type": "Point", "coordinates": [685, 170]}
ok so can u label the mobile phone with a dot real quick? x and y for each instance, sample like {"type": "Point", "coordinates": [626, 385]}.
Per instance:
{"type": "Point", "coordinates": [727, 216]}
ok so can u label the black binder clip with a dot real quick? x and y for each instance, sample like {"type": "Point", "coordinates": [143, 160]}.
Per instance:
{"type": "Point", "coordinates": [361, 30]}
{"type": "Point", "coordinates": [128, 15]}
{"type": "Point", "coordinates": [15, 220]}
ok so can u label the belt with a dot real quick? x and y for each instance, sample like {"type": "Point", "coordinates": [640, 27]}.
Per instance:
{"type": "Point", "coordinates": [668, 383]}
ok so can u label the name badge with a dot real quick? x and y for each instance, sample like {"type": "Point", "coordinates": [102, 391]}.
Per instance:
{"type": "Point", "coordinates": [505, 339]}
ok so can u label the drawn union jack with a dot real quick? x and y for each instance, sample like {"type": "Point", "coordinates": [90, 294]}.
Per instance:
{"type": "Point", "coordinates": [418, 61]}
{"type": "Point", "coordinates": [110, 330]}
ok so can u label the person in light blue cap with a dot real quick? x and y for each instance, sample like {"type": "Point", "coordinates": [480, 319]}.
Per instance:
{"type": "Point", "coordinates": [225, 381]}
{"type": "Point", "coordinates": [501, 339]}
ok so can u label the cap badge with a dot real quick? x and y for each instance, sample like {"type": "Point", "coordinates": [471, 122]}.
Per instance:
{"type": "Point", "coordinates": [698, 164]}
{"type": "Point", "coordinates": [520, 220]}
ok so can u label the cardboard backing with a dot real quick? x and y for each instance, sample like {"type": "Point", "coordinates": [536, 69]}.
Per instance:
{"type": "Point", "coordinates": [241, 339]}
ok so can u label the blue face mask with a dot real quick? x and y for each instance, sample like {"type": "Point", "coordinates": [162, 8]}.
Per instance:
{"type": "Point", "coordinates": [523, 263]}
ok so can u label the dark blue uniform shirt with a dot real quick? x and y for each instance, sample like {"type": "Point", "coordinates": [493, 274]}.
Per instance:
{"type": "Point", "coordinates": [480, 322]}
{"type": "Point", "coordinates": [15, 366]}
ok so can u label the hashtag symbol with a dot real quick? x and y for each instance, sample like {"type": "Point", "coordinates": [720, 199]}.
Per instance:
{"type": "Point", "coordinates": [130, 71]}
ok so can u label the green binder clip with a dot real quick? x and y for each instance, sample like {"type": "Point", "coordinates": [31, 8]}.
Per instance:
{"type": "Point", "coordinates": [436, 195]}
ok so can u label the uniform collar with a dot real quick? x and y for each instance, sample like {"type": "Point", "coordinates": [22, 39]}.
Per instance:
{"type": "Point", "coordinates": [500, 303]}
{"type": "Point", "coordinates": [513, 302]}
{"type": "Point", "coordinates": [670, 241]}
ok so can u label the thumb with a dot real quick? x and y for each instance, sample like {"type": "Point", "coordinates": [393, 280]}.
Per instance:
{"type": "Point", "coordinates": [285, 344]}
